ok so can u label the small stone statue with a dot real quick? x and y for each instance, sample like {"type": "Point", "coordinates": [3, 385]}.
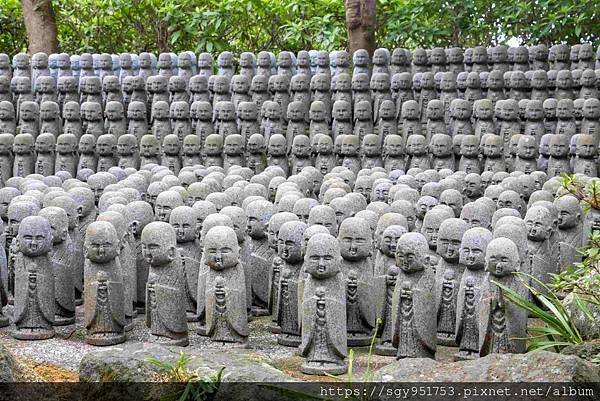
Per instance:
{"type": "Point", "coordinates": [226, 318]}
{"type": "Point", "coordinates": [272, 122]}
{"type": "Point", "coordinates": [111, 90]}
{"type": "Point", "coordinates": [127, 152]}
{"type": "Point", "coordinates": [356, 250]}
{"type": "Point", "coordinates": [415, 321]}
{"type": "Point", "coordinates": [34, 281]}
{"type": "Point", "coordinates": [448, 276]}
{"type": "Point", "coordinates": [393, 152]}
{"type": "Point", "coordinates": [178, 90]}
{"type": "Point", "coordinates": [586, 154]}
{"type": "Point", "coordinates": [539, 229]}
{"type": "Point", "coordinates": [23, 150]}
{"type": "Point", "coordinates": [138, 123]}
{"type": "Point", "coordinates": [469, 150]}
{"type": "Point", "coordinates": [569, 230]}
{"type": "Point", "coordinates": [493, 153]}
{"type": "Point", "coordinates": [256, 158]}
{"type": "Point", "coordinates": [87, 153]}
{"type": "Point", "coordinates": [360, 88]}
{"type": "Point", "coordinates": [441, 152]}
{"type": "Point", "coordinates": [411, 123]}
{"type": "Point", "coordinates": [170, 157]}
{"type": "Point", "coordinates": [559, 155]}
{"type": "Point", "coordinates": [204, 125]}
{"type": "Point", "coordinates": [350, 152]}
{"type": "Point", "coordinates": [213, 147]}
{"type": "Point", "coordinates": [7, 117]}
{"type": "Point", "coordinates": [6, 157]}
{"type": "Point", "coordinates": [505, 323]}
{"type": "Point", "coordinates": [29, 118]}
{"type": "Point", "coordinates": [106, 146]}
{"type": "Point", "coordinates": [301, 156]}
{"type": "Point", "coordinates": [45, 145]}
{"type": "Point", "coordinates": [318, 119]}
{"type": "Point", "coordinates": [191, 151]}
{"type": "Point", "coordinates": [226, 123]}
{"type": "Point", "coordinates": [149, 150]}
{"type": "Point", "coordinates": [61, 257]}
{"type": "Point", "coordinates": [289, 249]}
{"type": "Point", "coordinates": [165, 290]}
{"type": "Point", "coordinates": [115, 122]}
{"type": "Point", "coordinates": [233, 151]}
{"type": "Point", "coordinates": [277, 152]}
{"type": "Point", "coordinates": [323, 309]}
{"type": "Point", "coordinates": [104, 294]}
{"type": "Point", "coordinates": [470, 329]}
{"type": "Point", "coordinates": [325, 158]}
{"type": "Point", "coordinates": [72, 123]}
{"type": "Point", "coordinates": [247, 120]}
{"type": "Point", "coordinates": [183, 221]}
{"type": "Point", "coordinates": [205, 65]}
{"type": "Point", "coordinates": [526, 160]}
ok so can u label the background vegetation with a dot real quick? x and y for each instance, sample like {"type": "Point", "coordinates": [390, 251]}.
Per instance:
{"type": "Point", "coordinates": [252, 25]}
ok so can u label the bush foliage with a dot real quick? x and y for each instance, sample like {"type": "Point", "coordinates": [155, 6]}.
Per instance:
{"type": "Point", "coordinates": [252, 25]}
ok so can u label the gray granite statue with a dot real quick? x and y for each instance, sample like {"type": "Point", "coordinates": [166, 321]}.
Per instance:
{"type": "Point", "coordinates": [323, 309]}
{"type": "Point", "coordinates": [45, 145]}
{"type": "Point", "coordinates": [23, 162]}
{"type": "Point", "coordinates": [61, 257]}
{"type": "Point", "coordinates": [415, 320]}
{"type": "Point", "coordinates": [34, 281]}
{"type": "Point", "coordinates": [505, 322]}
{"type": "Point", "coordinates": [183, 220]}
{"type": "Point", "coordinates": [104, 288]}
{"type": "Point", "coordinates": [165, 289]}
{"type": "Point", "coordinates": [289, 249]}
{"type": "Point", "coordinates": [470, 329]}
{"type": "Point", "coordinates": [357, 268]}
{"type": "Point", "coordinates": [569, 230]}
{"type": "Point", "coordinates": [448, 276]}
{"type": "Point", "coordinates": [226, 318]}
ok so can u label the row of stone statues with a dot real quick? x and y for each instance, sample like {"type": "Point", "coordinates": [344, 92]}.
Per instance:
{"type": "Point", "coordinates": [553, 154]}
{"type": "Point", "coordinates": [325, 255]}
{"type": "Point", "coordinates": [186, 64]}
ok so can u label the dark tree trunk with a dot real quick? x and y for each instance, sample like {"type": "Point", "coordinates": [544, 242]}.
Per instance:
{"type": "Point", "coordinates": [360, 21]}
{"type": "Point", "coordinates": [40, 24]}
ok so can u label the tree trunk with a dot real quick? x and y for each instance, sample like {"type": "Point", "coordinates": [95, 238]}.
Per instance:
{"type": "Point", "coordinates": [360, 21]}
{"type": "Point", "coordinates": [40, 24]}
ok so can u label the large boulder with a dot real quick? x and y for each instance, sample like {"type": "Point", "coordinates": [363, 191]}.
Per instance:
{"type": "Point", "coordinates": [132, 363]}
{"type": "Point", "coordinates": [539, 366]}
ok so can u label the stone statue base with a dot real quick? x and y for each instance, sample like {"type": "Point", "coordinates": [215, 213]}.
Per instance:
{"type": "Point", "coordinates": [4, 321]}
{"type": "Point", "coordinates": [192, 317]}
{"type": "Point", "coordinates": [128, 324]}
{"type": "Point", "coordinates": [446, 340]}
{"type": "Point", "coordinates": [358, 340]}
{"type": "Point", "coordinates": [258, 311]}
{"type": "Point", "coordinates": [465, 356]}
{"type": "Point", "coordinates": [179, 342]}
{"type": "Point", "coordinates": [289, 340]}
{"type": "Point", "coordinates": [385, 349]}
{"type": "Point", "coordinates": [202, 329]}
{"type": "Point", "coordinates": [78, 301]}
{"type": "Point", "coordinates": [274, 328]}
{"type": "Point", "coordinates": [323, 368]}
{"type": "Point", "coordinates": [33, 334]}
{"type": "Point", "coordinates": [104, 339]}
{"type": "Point", "coordinates": [63, 320]}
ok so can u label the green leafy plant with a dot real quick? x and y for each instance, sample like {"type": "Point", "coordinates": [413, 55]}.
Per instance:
{"type": "Point", "coordinates": [558, 329]}
{"type": "Point", "coordinates": [252, 25]}
{"type": "Point", "coordinates": [197, 387]}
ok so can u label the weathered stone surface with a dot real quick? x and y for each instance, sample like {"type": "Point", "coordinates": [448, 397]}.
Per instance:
{"type": "Point", "coordinates": [6, 365]}
{"type": "Point", "coordinates": [131, 362]}
{"type": "Point", "coordinates": [539, 366]}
